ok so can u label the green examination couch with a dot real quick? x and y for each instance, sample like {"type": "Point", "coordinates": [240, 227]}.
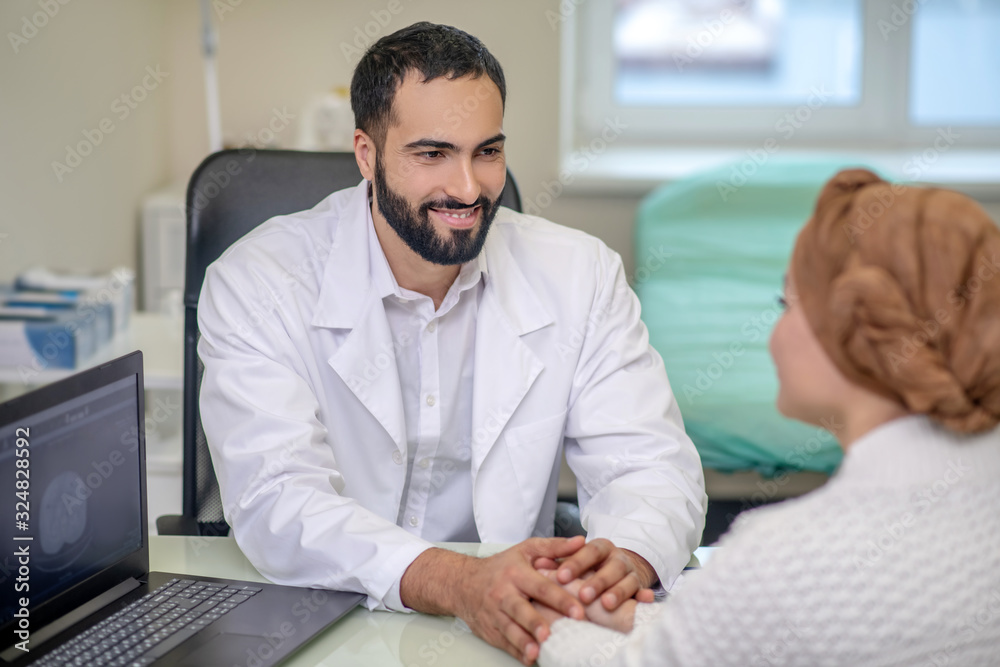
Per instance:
{"type": "Point", "coordinates": [710, 255]}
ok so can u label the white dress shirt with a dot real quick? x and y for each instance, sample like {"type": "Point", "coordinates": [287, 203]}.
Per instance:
{"type": "Point", "coordinates": [435, 364]}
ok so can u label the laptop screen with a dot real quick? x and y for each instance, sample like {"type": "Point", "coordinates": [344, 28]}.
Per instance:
{"type": "Point", "coordinates": [82, 509]}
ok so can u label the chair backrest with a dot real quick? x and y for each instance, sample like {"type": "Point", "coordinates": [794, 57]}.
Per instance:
{"type": "Point", "coordinates": [229, 194]}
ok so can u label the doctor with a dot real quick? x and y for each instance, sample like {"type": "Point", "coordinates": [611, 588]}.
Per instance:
{"type": "Point", "coordinates": [405, 362]}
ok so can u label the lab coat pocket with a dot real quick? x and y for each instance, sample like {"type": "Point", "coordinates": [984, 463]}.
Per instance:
{"type": "Point", "coordinates": [533, 450]}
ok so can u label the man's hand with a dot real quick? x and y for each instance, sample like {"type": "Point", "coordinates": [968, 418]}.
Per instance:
{"type": "Point", "coordinates": [619, 574]}
{"type": "Point", "coordinates": [494, 595]}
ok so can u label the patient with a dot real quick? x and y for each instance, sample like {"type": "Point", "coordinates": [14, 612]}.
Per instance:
{"type": "Point", "coordinates": [892, 333]}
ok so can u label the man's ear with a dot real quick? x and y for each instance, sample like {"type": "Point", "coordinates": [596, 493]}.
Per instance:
{"type": "Point", "coordinates": [364, 153]}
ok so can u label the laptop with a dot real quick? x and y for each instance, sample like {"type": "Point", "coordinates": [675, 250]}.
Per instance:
{"type": "Point", "coordinates": [74, 561]}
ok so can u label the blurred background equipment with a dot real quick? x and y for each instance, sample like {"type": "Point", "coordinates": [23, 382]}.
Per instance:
{"type": "Point", "coordinates": [327, 122]}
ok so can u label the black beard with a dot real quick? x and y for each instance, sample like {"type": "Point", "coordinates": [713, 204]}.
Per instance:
{"type": "Point", "coordinates": [417, 230]}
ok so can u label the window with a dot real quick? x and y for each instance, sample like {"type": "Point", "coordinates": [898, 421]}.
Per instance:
{"type": "Point", "coordinates": [807, 74]}
{"type": "Point", "coordinates": [955, 64]}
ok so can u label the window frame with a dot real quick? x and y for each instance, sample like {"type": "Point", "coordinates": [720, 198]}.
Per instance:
{"type": "Point", "coordinates": [880, 121]}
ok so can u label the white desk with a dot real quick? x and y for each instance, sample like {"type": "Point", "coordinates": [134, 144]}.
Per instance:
{"type": "Point", "coordinates": [360, 638]}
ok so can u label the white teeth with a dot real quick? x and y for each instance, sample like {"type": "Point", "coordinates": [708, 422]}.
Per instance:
{"type": "Point", "coordinates": [460, 217]}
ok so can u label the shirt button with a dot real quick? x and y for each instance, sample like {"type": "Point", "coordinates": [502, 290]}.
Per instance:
{"type": "Point", "coordinates": [397, 457]}
{"type": "Point", "coordinates": [431, 327]}
{"type": "Point", "coordinates": [431, 400]}
{"type": "Point", "coordinates": [425, 462]}
{"type": "Point", "coordinates": [414, 521]}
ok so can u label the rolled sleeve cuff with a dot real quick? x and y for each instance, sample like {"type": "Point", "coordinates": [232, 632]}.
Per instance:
{"type": "Point", "coordinates": [387, 590]}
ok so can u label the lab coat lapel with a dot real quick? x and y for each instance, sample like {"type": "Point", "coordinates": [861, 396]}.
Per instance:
{"type": "Point", "coordinates": [505, 367]}
{"type": "Point", "coordinates": [366, 360]}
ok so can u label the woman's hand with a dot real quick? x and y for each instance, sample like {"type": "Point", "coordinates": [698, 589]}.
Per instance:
{"type": "Point", "coordinates": [620, 620]}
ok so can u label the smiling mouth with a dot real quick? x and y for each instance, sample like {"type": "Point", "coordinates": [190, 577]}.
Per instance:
{"type": "Point", "coordinates": [458, 218]}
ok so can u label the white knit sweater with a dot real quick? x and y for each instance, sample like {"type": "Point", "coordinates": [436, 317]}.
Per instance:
{"type": "Point", "coordinates": [895, 561]}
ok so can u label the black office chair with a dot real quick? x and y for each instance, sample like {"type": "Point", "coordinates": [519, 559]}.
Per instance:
{"type": "Point", "coordinates": [230, 193]}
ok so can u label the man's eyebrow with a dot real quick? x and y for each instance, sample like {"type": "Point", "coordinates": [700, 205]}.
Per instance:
{"type": "Point", "coordinates": [492, 140]}
{"type": "Point", "coordinates": [448, 146]}
{"type": "Point", "coordinates": [431, 143]}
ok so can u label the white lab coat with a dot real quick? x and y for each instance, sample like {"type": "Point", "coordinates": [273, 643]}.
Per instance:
{"type": "Point", "coordinates": [302, 409]}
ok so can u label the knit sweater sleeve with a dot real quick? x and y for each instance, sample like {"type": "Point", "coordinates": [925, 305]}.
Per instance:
{"type": "Point", "coordinates": [896, 560]}
{"type": "Point", "coordinates": [741, 610]}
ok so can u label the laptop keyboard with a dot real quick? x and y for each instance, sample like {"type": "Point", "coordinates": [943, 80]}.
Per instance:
{"type": "Point", "coordinates": [152, 626]}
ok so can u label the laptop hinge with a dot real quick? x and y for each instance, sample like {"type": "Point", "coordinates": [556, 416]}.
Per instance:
{"type": "Point", "coordinates": [49, 631]}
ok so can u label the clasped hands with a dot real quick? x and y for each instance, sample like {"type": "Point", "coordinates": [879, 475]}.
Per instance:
{"type": "Point", "coordinates": [609, 589]}
{"type": "Point", "coordinates": [511, 598]}
{"type": "Point", "coordinates": [542, 580]}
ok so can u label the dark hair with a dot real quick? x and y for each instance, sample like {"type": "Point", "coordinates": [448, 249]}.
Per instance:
{"type": "Point", "coordinates": [432, 50]}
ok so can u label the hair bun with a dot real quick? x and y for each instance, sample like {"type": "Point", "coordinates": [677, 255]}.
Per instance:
{"type": "Point", "coordinates": [902, 287]}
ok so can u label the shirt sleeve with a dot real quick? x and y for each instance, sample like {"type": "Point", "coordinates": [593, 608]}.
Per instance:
{"type": "Point", "coordinates": [640, 481]}
{"type": "Point", "coordinates": [278, 478]}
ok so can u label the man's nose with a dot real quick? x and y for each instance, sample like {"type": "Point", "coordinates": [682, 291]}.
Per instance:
{"type": "Point", "coordinates": [462, 183]}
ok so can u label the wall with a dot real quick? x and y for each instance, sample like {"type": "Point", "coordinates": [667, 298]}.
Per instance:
{"type": "Point", "coordinates": [273, 56]}
{"type": "Point", "coordinates": [276, 55]}
{"type": "Point", "coordinates": [58, 83]}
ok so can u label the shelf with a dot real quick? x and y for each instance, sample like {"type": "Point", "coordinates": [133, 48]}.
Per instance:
{"type": "Point", "coordinates": [160, 337]}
